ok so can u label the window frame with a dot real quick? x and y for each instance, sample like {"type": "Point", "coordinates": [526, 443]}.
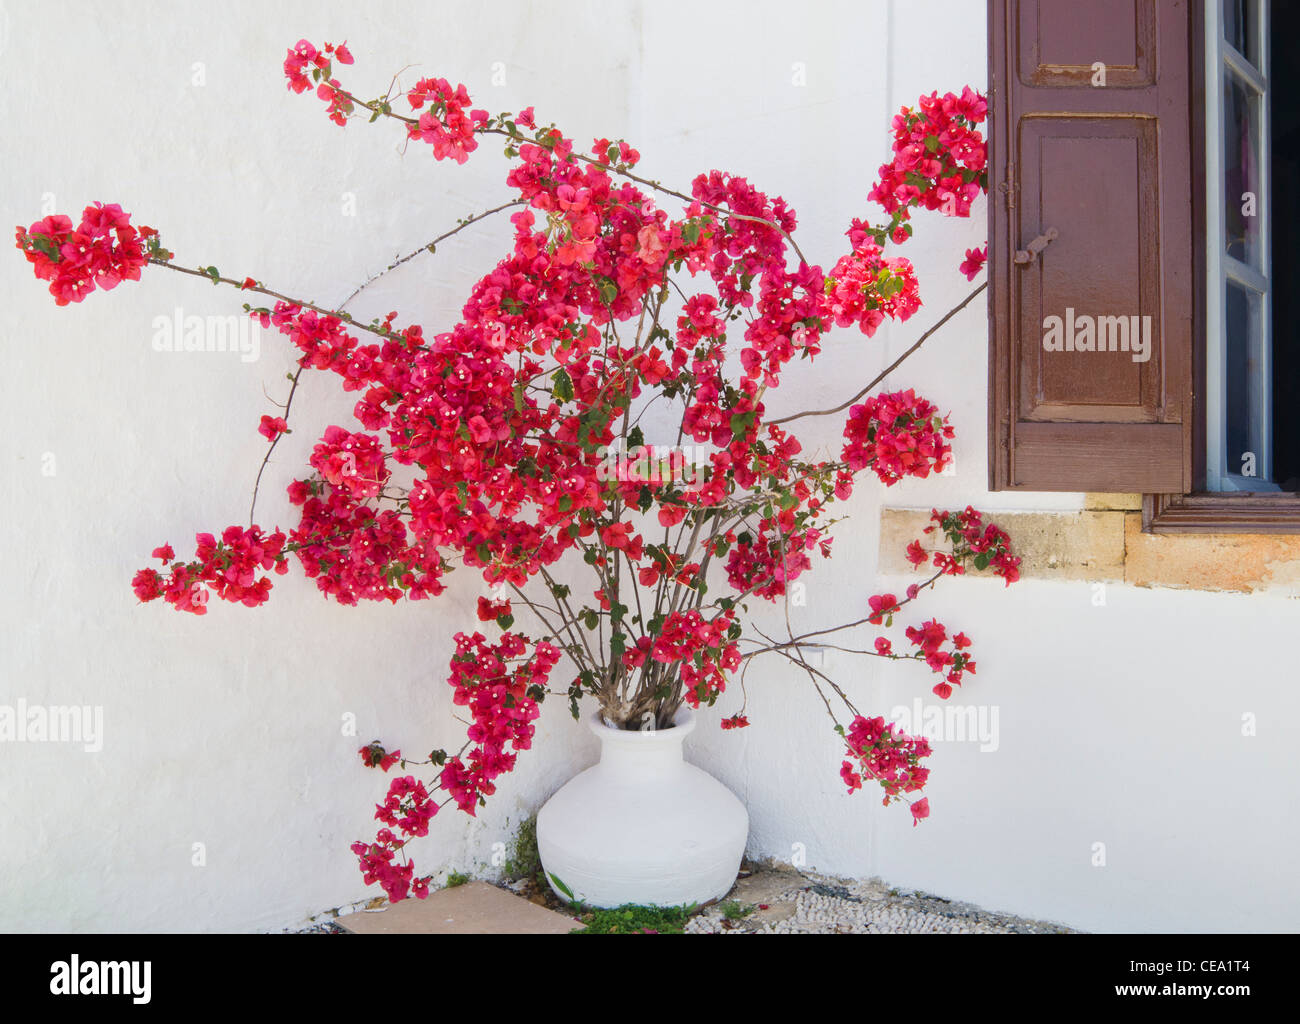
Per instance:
{"type": "Point", "coordinates": [1203, 511]}
{"type": "Point", "coordinates": [1225, 64]}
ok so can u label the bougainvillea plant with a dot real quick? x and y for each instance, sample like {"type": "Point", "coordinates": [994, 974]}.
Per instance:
{"type": "Point", "coordinates": [512, 442]}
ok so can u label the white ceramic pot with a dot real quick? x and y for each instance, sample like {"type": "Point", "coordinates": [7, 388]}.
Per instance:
{"type": "Point", "coordinates": [643, 826]}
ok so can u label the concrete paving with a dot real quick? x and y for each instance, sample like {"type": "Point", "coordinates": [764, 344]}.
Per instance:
{"type": "Point", "coordinates": [475, 908]}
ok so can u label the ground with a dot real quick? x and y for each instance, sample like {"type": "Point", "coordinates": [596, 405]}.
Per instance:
{"type": "Point", "coordinates": [777, 899]}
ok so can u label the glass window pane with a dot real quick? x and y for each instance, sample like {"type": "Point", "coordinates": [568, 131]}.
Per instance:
{"type": "Point", "coordinates": [1242, 318]}
{"type": "Point", "coordinates": [1241, 27]}
{"type": "Point", "coordinates": [1241, 171]}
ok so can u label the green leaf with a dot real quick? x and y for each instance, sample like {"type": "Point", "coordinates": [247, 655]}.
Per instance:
{"type": "Point", "coordinates": [563, 389]}
{"type": "Point", "coordinates": [740, 424]}
{"type": "Point", "coordinates": [561, 886]}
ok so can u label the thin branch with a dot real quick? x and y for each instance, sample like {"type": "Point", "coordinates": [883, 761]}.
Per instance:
{"type": "Point", "coordinates": [892, 366]}
{"type": "Point", "coordinates": [428, 246]}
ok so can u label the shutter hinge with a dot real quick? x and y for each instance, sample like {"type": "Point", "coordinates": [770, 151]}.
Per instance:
{"type": "Point", "coordinates": [1009, 187]}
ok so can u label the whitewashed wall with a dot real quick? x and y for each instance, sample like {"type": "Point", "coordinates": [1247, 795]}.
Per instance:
{"type": "Point", "coordinates": [1117, 725]}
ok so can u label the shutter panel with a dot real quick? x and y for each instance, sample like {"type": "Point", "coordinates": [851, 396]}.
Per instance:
{"type": "Point", "coordinates": [1109, 167]}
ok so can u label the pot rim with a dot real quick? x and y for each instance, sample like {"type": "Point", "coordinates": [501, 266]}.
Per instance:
{"type": "Point", "coordinates": [683, 725]}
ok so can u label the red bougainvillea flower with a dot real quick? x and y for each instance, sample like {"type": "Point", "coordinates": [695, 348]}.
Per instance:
{"type": "Point", "coordinates": [866, 287]}
{"type": "Point", "coordinates": [881, 605]}
{"type": "Point", "coordinates": [897, 435]}
{"type": "Point", "coordinates": [886, 755]}
{"type": "Point", "coordinates": [226, 567]}
{"type": "Point", "coordinates": [375, 756]}
{"type": "Point", "coordinates": [101, 252]}
{"type": "Point", "coordinates": [271, 428]}
{"type": "Point", "coordinates": [974, 262]}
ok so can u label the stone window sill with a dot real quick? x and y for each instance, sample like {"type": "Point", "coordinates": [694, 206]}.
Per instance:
{"type": "Point", "coordinates": [1105, 543]}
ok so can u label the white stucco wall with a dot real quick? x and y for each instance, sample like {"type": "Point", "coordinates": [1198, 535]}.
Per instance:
{"type": "Point", "coordinates": [1118, 724]}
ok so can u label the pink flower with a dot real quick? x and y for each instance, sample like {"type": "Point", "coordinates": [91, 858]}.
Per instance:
{"type": "Point", "coordinates": [974, 262]}
{"type": "Point", "coordinates": [881, 605]}
{"type": "Point", "coordinates": [272, 428]}
{"type": "Point", "coordinates": [920, 809]}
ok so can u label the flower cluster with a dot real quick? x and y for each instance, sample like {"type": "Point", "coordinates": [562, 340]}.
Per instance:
{"type": "Point", "coordinates": [408, 807]}
{"type": "Point", "coordinates": [227, 567]}
{"type": "Point", "coordinates": [951, 664]}
{"type": "Point", "coordinates": [897, 435]}
{"type": "Point", "coordinates": [350, 462]}
{"type": "Point", "coordinates": [101, 252]}
{"type": "Point", "coordinates": [888, 756]}
{"type": "Point", "coordinates": [501, 684]}
{"type": "Point", "coordinates": [940, 163]}
{"type": "Point", "coordinates": [940, 157]}
{"type": "Point", "coordinates": [702, 649]}
{"type": "Point", "coordinates": [448, 126]}
{"type": "Point", "coordinates": [304, 59]}
{"type": "Point", "coordinates": [865, 287]}
{"type": "Point", "coordinates": [985, 545]}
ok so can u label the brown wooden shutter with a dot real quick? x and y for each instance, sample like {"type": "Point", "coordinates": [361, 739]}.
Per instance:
{"type": "Point", "coordinates": [1110, 169]}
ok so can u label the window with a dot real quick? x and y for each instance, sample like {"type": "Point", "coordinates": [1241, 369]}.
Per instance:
{"type": "Point", "coordinates": [1137, 352]}
{"type": "Point", "coordinates": [1239, 430]}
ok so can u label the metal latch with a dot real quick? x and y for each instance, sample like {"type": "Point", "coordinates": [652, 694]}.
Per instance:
{"type": "Point", "coordinates": [1030, 253]}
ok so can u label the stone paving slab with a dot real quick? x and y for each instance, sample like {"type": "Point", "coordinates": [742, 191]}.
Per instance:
{"type": "Point", "coordinates": [779, 900]}
{"type": "Point", "coordinates": [475, 908]}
